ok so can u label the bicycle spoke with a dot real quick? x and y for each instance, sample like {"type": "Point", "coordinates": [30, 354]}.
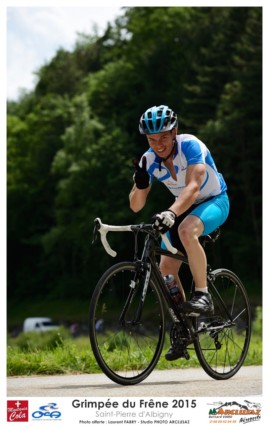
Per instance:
{"type": "Point", "coordinates": [239, 314]}
{"type": "Point", "coordinates": [126, 350]}
{"type": "Point", "coordinates": [223, 338]}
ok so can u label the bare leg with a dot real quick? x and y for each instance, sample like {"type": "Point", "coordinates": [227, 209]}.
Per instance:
{"type": "Point", "coordinates": [171, 266]}
{"type": "Point", "coordinates": [189, 231]}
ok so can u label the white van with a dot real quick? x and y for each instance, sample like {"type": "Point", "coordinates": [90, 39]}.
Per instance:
{"type": "Point", "coordinates": [41, 324]}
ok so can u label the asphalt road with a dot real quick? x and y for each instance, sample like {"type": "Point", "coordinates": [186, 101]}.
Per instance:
{"type": "Point", "coordinates": [173, 382]}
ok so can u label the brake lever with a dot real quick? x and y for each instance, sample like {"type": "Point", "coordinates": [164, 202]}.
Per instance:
{"type": "Point", "coordinates": [95, 230]}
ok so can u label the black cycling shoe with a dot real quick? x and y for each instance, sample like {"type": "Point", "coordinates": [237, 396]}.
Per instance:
{"type": "Point", "coordinates": [180, 339]}
{"type": "Point", "coordinates": [200, 303]}
{"type": "Point", "coordinates": [176, 353]}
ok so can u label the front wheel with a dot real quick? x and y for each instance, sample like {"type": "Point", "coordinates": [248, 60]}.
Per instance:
{"type": "Point", "coordinates": [126, 337]}
{"type": "Point", "coordinates": [223, 338]}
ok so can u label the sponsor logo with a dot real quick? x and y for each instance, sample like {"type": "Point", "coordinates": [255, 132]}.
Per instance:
{"type": "Point", "coordinates": [48, 412]}
{"type": "Point", "coordinates": [244, 412]}
{"type": "Point", "coordinates": [17, 410]}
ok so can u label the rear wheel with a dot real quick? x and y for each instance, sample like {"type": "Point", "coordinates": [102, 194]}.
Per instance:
{"type": "Point", "coordinates": [127, 346]}
{"type": "Point", "coordinates": [223, 338]}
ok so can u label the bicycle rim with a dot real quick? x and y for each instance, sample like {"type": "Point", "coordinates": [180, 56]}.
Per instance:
{"type": "Point", "coordinates": [127, 352]}
{"type": "Point", "coordinates": [222, 344]}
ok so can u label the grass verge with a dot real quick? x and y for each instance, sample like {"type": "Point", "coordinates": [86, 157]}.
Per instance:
{"type": "Point", "coordinates": [56, 352]}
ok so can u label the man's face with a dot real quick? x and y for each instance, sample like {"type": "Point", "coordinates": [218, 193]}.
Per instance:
{"type": "Point", "coordinates": [162, 143]}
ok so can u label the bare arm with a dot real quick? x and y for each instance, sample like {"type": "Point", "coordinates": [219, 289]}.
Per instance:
{"type": "Point", "coordinates": [194, 179]}
{"type": "Point", "coordinates": [138, 198]}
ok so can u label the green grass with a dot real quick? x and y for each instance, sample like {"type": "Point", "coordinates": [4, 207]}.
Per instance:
{"type": "Point", "coordinates": [49, 353]}
{"type": "Point", "coordinates": [56, 352]}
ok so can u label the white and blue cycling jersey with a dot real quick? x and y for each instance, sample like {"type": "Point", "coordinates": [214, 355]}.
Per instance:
{"type": "Point", "coordinates": [189, 151]}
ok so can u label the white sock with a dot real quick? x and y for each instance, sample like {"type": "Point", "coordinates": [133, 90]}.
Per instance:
{"type": "Point", "coordinates": [205, 290]}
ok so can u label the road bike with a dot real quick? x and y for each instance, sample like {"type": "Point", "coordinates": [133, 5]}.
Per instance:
{"type": "Point", "coordinates": [129, 307]}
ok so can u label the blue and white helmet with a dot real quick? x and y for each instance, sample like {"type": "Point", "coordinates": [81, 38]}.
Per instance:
{"type": "Point", "coordinates": [157, 119]}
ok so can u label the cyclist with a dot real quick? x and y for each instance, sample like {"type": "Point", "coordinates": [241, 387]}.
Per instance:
{"type": "Point", "coordinates": [185, 166]}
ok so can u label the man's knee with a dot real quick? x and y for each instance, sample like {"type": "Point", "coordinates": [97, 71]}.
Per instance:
{"type": "Point", "coordinates": [169, 266]}
{"type": "Point", "coordinates": [165, 264]}
{"type": "Point", "coordinates": [187, 235]}
{"type": "Point", "coordinates": [189, 230]}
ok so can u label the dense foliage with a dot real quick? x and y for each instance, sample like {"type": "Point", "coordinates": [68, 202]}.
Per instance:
{"type": "Point", "coordinates": [71, 141]}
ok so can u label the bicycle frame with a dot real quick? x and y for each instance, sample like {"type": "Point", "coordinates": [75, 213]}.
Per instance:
{"type": "Point", "coordinates": [151, 250]}
{"type": "Point", "coordinates": [148, 260]}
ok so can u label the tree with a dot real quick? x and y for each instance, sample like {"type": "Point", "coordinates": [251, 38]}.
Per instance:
{"type": "Point", "coordinates": [237, 135]}
{"type": "Point", "coordinates": [32, 142]}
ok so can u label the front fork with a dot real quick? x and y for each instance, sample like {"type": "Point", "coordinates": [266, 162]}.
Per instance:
{"type": "Point", "coordinates": [143, 270]}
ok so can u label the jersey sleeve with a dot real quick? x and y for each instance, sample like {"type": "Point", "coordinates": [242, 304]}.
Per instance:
{"type": "Point", "coordinates": [193, 152]}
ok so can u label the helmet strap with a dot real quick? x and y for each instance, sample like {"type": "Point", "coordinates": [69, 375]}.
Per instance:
{"type": "Point", "coordinates": [163, 159]}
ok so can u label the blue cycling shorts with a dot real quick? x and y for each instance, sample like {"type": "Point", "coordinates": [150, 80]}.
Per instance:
{"type": "Point", "coordinates": [213, 213]}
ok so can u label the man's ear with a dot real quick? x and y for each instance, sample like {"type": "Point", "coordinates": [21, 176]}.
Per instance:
{"type": "Point", "coordinates": [174, 132]}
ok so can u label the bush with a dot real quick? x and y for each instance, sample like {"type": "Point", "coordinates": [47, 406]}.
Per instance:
{"type": "Point", "coordinates": [257, 322]}
{"type": "Point", "coordinates": [31, 341]}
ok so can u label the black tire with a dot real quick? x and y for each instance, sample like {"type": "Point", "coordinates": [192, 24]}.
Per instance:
{"type": "Point", "coordinates": [222, 344]}
{"type": "Point", "coordinates": [126, 352]}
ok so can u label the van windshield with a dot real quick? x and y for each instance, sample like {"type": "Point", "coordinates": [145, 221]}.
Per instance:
{"type": "Point", "coordinates": [49, 324]}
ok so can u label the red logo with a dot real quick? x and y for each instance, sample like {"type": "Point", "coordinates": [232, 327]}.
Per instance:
{"type": "Point", "coordinates": [17, 410]}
